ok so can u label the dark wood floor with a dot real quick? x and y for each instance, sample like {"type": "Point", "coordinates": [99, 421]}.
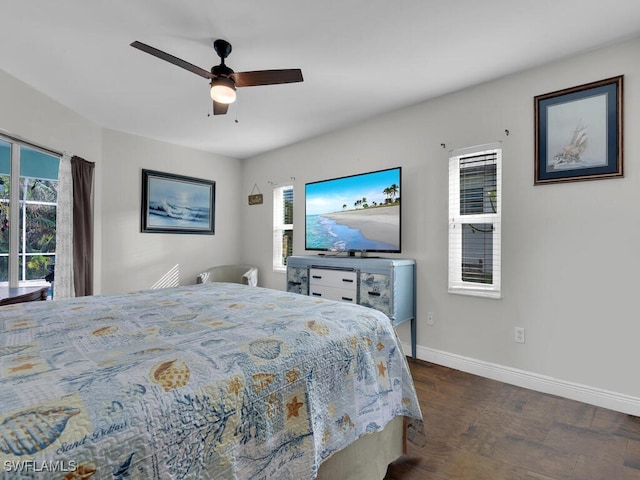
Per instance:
{"type": "Point", "coordinates": [482, 429]}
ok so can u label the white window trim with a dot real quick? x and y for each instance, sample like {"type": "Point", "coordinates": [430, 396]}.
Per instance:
{"type": "Point", "coordinates": [279, 227]}
{"type": "Point", "coordinates": [456, 284]}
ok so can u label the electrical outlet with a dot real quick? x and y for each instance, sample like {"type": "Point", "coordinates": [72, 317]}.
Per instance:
{"type": "Point", "coordinates": [519, 335]}
{"type": "Point", "coordinates": [429, 318]}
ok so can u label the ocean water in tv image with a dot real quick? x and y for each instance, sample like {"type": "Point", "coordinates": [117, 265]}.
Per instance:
{"type": "Point", "coordinates": [355, 213]}
{"type": "Point", "coordinates": [324, 233]}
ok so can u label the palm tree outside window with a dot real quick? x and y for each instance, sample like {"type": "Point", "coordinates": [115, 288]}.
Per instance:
{"type": "Point", "coordinates": [28, 199]}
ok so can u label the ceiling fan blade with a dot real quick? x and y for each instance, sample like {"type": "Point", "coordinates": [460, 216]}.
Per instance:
{"type": "Point", "coordinates": [171, 59]}
{"type": "Point", "coordinates": [266, 77]}
{"type": "Point", "coordinates": [220, 108]}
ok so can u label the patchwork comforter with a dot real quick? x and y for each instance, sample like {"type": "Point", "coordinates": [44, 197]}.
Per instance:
{"type": "Point", "coordinates": [215, 381]}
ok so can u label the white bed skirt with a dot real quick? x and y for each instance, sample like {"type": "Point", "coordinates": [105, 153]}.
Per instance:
{"type": "Point", "coordinates": [367, 458]}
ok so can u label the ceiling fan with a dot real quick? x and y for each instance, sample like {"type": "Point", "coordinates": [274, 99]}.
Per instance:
{"type": "Point", "coordinates": [224, 80]}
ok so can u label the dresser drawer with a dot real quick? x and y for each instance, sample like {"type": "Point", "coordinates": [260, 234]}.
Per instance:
{"type": "Point", "coordinates": [333, 293]}
{"type": "Point", "coordinates": [333, 278]}
{"type": "Point", "coordinates": [297, 280]}
{"type": "Point", "coordinates": [375, 292]}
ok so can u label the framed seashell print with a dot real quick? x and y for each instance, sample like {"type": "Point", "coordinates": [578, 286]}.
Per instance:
{"type": "Point", "coordinates": [578, 132]}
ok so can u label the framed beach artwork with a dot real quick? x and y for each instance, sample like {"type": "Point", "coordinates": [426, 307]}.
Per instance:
{"type": "Point", "coordinates": [578, 133]}
{"type": "Point", "coordinates": [177, 204]}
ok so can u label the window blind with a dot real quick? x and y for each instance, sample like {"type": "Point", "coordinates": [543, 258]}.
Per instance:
{"type": "Point", "coordinates": [282, 226]}
{"type": "Point", "coordinates": [475, 221]}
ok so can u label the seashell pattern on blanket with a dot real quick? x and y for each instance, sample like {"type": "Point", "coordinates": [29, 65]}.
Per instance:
{"type": "Point", "coordinates": [82, 472]}
{"type": "Point", "coordinates": [202, 381]}
{"type": "Point", "coordinates": [267, 349]}
{"type": "Point", "coordinates": [108, 330]}
{"type": "Point", "coordinates": [30, 431]}
{"type": "Point", "coordinates": [262, 380]}
{"type": "Point", "coordinates": [171, 374]}
{"type": "Point", "coordinates": [317, 327]}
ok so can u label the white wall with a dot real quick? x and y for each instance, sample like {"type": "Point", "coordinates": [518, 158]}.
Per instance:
{"type": "Point", "coordinates": [570, 251]}
{"type": "Point", "coordinates": [34, 117]}
{"type": "Point", "coordinates": [135, 260]}
{"type": "Point", "coordinates": [125, 258]}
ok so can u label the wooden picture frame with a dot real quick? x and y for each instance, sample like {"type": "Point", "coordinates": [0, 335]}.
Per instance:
{"type": "Point", "coordinates": [177, 204]}
{"type": "Point", "coordinates": [578, 132]}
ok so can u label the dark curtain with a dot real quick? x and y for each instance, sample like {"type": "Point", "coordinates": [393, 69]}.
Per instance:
{"type": "Point", "coordinates": [82, 178]}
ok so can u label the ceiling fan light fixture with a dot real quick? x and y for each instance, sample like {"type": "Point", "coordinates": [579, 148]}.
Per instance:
{"type": "Point", "coordinates": [223, 90]}
{"type": "Point", "coordinates": [222, 79]}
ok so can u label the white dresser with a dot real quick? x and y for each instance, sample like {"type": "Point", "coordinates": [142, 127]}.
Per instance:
{"type": "Point", "coordinates": [386, 284]}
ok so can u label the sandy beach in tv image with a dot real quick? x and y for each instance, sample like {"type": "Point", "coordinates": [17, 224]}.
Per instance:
{"type": "Point", "coordinates": [354, 213]}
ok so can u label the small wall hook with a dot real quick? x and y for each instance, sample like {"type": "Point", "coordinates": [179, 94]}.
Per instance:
{"type": "Point", "coordinates": [506, 132]}
{"type": "Point", "coordinates": [442, 145]}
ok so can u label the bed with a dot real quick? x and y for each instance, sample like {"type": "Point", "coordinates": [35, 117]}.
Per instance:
{"type": "Point", "coordinates": [217, 381]}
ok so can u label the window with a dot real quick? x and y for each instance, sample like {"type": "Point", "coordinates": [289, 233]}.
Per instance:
{"type": "Point", "coordinates": [28, 198]}
{"type": "Point", "coordinates": [475, 199]}
{"type": "Point", "coordinates": [282, 227]}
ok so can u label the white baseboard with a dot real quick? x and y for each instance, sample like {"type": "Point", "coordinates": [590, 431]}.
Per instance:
{"type": "Point", "coordinates": [533, 381]}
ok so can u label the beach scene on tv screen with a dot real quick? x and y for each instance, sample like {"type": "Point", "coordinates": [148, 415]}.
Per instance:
{"type": "Point", "coordinates": [354, 213]}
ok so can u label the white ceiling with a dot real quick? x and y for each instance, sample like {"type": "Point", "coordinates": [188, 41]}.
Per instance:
{"type": "Point", "coordinates": [359, 58]}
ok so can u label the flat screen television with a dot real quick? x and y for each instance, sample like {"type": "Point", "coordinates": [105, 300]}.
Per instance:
{"type": "Point", "coordinates": [358, 213]}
